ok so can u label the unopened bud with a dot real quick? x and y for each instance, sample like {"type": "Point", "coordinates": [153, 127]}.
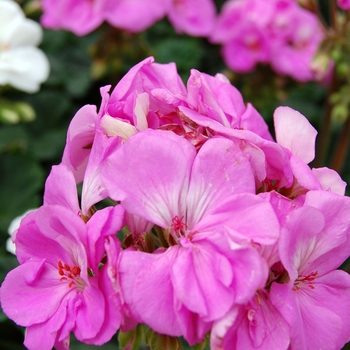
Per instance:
{"type": "Point", "coordinates": [9, 116]}
{"type": "Point", "coordinates": [340, 113]}
{"type": "Point", "coordinates": [26, 112]}
{"type": "Point", "coordinates": [320, 65]}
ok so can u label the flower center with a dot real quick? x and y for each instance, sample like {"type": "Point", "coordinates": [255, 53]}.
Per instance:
{"type": "Point", "coordinates": [71, 275]}
{"type": "Point", "coordinates": [305, 280]}
{"type": "Point", "coordinates": [178, 228]}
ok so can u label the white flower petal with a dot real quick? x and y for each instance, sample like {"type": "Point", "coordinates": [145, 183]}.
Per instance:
{"type": "Point", "coordinates": [24, 68]}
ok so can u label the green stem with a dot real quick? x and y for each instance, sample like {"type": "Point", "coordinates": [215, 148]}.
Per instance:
{"type": "Point", "coordinates": [342, 148]}
{"type": "Point", "coordinates": [324, 135]}
{"type": "Point", "coordinates": [160, 233]}
{"type": "Point", "coordinates": [334, 9]}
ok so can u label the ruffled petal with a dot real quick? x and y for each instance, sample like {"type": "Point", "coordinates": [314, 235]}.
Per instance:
{"type": "Point", "coordinates": [219, 171]}
{"type": "Point", "coordinates": [294, 132]}
{"type": "Point", "coordinates": [150, 175]}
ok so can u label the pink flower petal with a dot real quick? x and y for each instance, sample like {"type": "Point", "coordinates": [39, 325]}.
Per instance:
{"type": "Point", "coordinates": [150, 175]}
{"type": "Point", "coordinates": [294, 132]}
{"type": "Point", "coordinates": [219, 171]}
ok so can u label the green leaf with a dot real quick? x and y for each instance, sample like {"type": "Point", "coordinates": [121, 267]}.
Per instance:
{"type": "Point", "coordinates": [21, 181]}
{"type": "Point", "coordinates": [133, 339]}
{"type": "Point", "coordinates": [158, 341]}
{"type": "Point", "coordinates": [12, 138]}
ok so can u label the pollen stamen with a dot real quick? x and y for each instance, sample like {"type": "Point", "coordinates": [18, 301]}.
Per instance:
{"type": "Point", "coordinates": [71, 275]}
{"type": "Point", "coordinates": [301, 280]}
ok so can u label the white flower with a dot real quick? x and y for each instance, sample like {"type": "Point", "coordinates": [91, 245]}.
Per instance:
{"type": "Point", "coordinates": [14, 225]}
{"type": "Point", "coordinates": [22, 64]}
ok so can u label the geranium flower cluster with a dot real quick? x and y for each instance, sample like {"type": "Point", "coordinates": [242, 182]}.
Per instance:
{"type": "Point", "coordinates": [276, 32]}
{"type": "Point", "coordinates": [194, 17]}
{"type": "Point", "coordinates": [208, 225]}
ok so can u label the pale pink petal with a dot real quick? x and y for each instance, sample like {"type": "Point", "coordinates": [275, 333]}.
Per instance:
{"type": "Point", "coordinates": [330, 180]}
{"type": "Point", "coordinates": [93, 190]}
{"type": "Point", "coordinates": [332, 247]}
{"type": "Point", "coordinates": [257, 325]}
{"type": "Point", "coordinates": [150, 175]}
{"type": "Point", "coordinates": [245, 217]}
{"type": "Point", "coordinates": [251, 120]}
{"type": "Point", "coordinates": [148, 291]}
{"type": "Point", "coordinates": [219, 171]}
{"type": "Point", "coordinates": [80, 136]}
{"type": "Point", "coordinates": [60, 189]}
{"type": "Point", "coordinates": [194, 17]}
{"type": "Point", "coordinates": [199, 291]}
{"type": "Point", "coordinates": [32, 292]}
{"type": "Point", "coordinates": [298, 242]}
{"type": "Point", "coordinates": [305, 179]}
{"type": "Point", "coordinates": [250, 273]}
{"type": "Point", "coordinates": [111, 315]}
{"type": "Point", "coordinates": [43, 335]}
{"type": "Point", "coordinates": [135, 15]}
{"type": "Point", "coordinates": [41, 246]}
{"type": "Point", "coordinates": [79, 16]}
{"type": "Point", "coordinates": [215, 98]}
{"type": "Point", "coordinates": [294, 132]}
{"type": "Point", "coordinates": [105, 222]}
{"type": "Point", "coordinates": [89, 317]}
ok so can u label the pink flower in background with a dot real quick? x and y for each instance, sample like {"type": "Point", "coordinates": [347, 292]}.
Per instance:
{"type": "Point", "coordinates": [78, 16]}
{"type": "Point", "coordinates": [278, 32]}
{"type": "Point", "coordinates": [293, 53]}
{"type": "Point", "coordinates": [192, 17]}
{"type": "Point", "coordinates": [135, 15]}
{"type": "Point", "coordinates": [344, 4]}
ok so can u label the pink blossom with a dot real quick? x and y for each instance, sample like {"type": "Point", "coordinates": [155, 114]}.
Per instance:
{"type": "Point", "coordinates": [344, 4]}
{"type": "Point", "coordinates": [83, 16]}
{"type": "Point", "coordinates": [135, 15]}
{"type": "Point", "coordinates": [293, 54]}
{"type": "Point", "coordinates": [297, 135]}
{"type": "Point", "coordinates": [310, 294]}
{"type": "Point", "coordinates": [79, 16]}
{"type": "Point", "coordinates": [255, 325]}
{"type": "Point", "coordinates": [197, 199]}
{"type": "Point", "coordinates": [59, 286]}
{"type": "Point", "coordinates": [193, 17]}
{"type": "Point", "coordinates": [152, 95]}
{"type": "Point", "coordinates": [278, 32]}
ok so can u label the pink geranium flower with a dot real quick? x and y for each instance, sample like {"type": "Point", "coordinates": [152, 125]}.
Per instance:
{"type": "Point", "coordinates": [79, 16]}
{"type": "Point", "coordinates": [278, 32]}
{"type": "Point", "coordinates": [135, 15]}
{"type": "Point", "coordinates": [344, 4]}
{"type": "Point", "coordinates": [193, 17]}
{"type": "Point", "coordinates": [59, 286]}
{"type": "Point", "coordinates": [255, 325]}
{"type": "Point", "coordinates": [312, 297]}
{"type": "Point", "coordinates": [83, 16]}
{"type": "Point", "coordinates": [197, 199]}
